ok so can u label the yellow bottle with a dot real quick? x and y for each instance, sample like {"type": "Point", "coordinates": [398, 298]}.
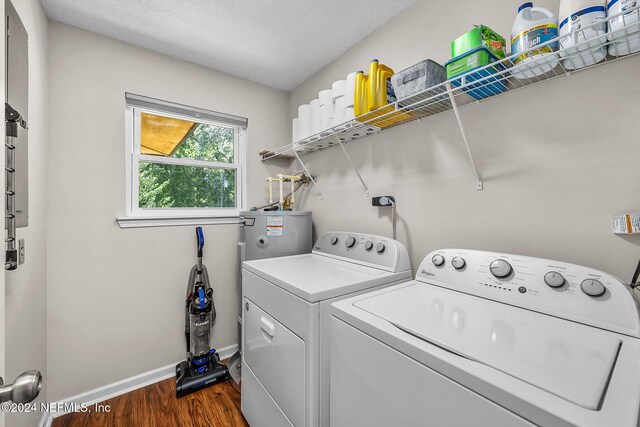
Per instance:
{"type": "Point", "coordinates": [370, 99]}
{"type": "Point", "coordinates": [361, 94]}
{"type": "Point", "coordinates": [378, 76]}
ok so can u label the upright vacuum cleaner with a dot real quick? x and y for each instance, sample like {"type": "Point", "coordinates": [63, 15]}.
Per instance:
{"type": "Point", "coordinates": [202, 367]}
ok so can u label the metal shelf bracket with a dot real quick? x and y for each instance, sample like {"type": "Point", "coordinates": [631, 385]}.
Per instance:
{"type": "Point", "coordinates": [355, 169]}
{"type": "Point", "coordinates": [313, 181]}
{"type": "Point", "coordinates": [479, 182]}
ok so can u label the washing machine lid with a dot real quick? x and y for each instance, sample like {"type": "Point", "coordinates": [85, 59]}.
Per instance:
{"type": "Point", "coordinates": [567, 359]}
{"type": "Point", "coordinates": [316, 277]}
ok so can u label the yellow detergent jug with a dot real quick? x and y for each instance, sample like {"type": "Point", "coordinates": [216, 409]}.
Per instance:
{"type": "Point", "coordinates": [379, 75]}
{"type": "Point", "coordinates": [361, 94]}
{"type": "Point", "coordinates": [372, 98]}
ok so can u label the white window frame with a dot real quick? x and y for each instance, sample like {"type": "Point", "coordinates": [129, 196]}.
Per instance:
{"type": "Point", "coordinates": [134, 157]}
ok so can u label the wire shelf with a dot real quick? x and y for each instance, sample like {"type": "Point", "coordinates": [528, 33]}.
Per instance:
{"type": "Point", "coordinates": [616, 37]}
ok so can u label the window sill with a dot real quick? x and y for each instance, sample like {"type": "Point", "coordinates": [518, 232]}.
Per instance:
{"type": "Point", "coordinates": [144, 222]}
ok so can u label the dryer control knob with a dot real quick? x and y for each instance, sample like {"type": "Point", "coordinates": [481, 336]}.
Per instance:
{"type": "Point", "coordinates": [554, 279]}
{"type": "Point", "coordinates": [458, 263]}
{"type": "Point", "coordinates": [592, 287]}
{"type": "Point", "coordinates": [350, 242]}
{"type": "Point", "coordinates": [380, 247]}
{"type": "Point", "coordinates": [334, 240]}
{"type": "Point", "coordinates": [500, 268]}
{"type": "Point", "coordinates": [368, 246]}
{"type": "Point", "coordinates": [438, 260]}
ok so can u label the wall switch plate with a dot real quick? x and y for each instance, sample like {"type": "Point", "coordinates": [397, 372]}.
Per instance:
{"type": "Point", "coordinates": [383, 201]}
{"type": "Point", "coordinates": [20, 251]}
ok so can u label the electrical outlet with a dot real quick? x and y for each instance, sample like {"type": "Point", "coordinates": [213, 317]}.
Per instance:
{"type": "Point", "coordinates": [383, 201]}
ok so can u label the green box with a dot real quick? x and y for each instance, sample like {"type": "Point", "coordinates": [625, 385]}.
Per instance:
{"type": "Point", "coordinates": [480, 36]}
{"type": "Point", "coordinates": [466, 62]}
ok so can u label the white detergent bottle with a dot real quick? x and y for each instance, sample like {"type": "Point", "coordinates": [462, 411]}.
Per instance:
{"type": "Point", "coordinates": [624, 27]}
{"type": "Point", "coordinates": [583, 30]}
{"type": "Point", "coordinates": [531, 36]}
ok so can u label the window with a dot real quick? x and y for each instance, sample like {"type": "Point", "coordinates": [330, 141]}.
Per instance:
{"type": "Point", "coordinates": [183, 162]}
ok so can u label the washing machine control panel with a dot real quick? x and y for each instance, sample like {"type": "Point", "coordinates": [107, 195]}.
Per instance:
{"type": "Point", "coordinates": [552, 287]}
{"type": "Point", "coordinates": [365, 249]}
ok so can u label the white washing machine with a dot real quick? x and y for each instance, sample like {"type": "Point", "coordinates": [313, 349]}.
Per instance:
{"type": "Point", "coordinates": [286, 322]}
{"type": "Point", "coordinates": [488, 339]}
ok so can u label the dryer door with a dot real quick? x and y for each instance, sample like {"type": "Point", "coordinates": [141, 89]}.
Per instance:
{"type": "Point", "coordinates": [277, 358]}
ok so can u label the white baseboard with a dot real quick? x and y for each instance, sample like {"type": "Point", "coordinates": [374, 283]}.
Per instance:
{"type": "Point", "coordinates": [121, 387]}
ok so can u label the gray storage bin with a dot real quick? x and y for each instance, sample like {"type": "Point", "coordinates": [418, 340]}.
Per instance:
{"type": "Point", "coordinates": [417, 78]}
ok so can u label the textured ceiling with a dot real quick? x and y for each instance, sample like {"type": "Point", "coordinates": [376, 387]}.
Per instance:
{"type": "Point", "coordinates": [280, 43]}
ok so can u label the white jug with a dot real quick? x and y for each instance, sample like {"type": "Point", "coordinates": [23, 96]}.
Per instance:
{"type": "Point", "coordinates": [624, 29]}
{"type": "Point", "coordinates": [583, 32]}
{"type": "Point", "coordinates": [531, 34]}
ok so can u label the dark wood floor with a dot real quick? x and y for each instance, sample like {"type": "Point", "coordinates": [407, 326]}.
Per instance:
{"type": "Point", "coordinates": [157, 406]}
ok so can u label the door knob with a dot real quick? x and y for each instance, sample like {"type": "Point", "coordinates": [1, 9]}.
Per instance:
{"type": "Point", "coordinates": [24, 389]}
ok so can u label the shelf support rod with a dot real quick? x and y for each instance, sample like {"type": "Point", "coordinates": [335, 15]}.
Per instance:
{"type": "Point", "coordinates": [344, 150]}
{"type": "Point", "coordinates": [313, 181]}
{"type": "Point", "coordinates": [479, 183]}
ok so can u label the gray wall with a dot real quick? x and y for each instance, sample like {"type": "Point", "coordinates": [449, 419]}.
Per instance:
{"type": "Point", "coordinates": [557, 159]}
{"type": "Point", "coordinates": [26, 291]}
{"type": "Point", "coordinates": [116, 296]}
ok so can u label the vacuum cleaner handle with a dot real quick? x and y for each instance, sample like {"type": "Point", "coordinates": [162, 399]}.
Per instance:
{"type": "Point", "coordinates": [200, 240]}
{"type": "Point", "coordinates": [200, 244]}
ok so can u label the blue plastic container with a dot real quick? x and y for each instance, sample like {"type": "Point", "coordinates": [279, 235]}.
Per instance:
{"type": "Point", "coordinates": [475, 60]}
